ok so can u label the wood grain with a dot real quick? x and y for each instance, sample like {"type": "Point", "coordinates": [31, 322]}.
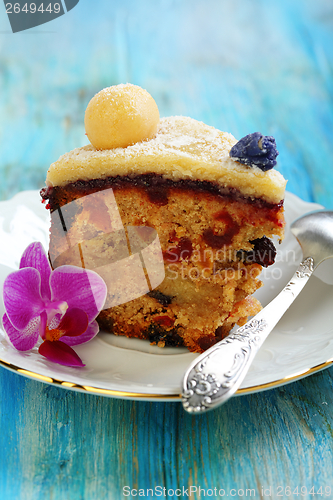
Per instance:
{"type": "Point", "coordinates": [241, 66]}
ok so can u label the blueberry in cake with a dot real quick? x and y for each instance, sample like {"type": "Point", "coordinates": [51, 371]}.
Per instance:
{"type": "Point", "coordinates": [214, 203]}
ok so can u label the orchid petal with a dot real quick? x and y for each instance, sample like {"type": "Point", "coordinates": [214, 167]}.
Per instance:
{"type": "Point", "coordinates": [61, 353]}
{"type": "Point", "coordinates": [74, 323]}
{"type": "Point", "coordinates": [22, 340]}
{"type": "Point", "coordinates": [90, 333]}
{"type": "Point", "coordinates": [21, 296]}
{"type": "Point", "coordinates": [80, 288]}
{"type": "Point", "coordinates": [42, 325]}
{"type": "Point", "coordinates": [35, 256]}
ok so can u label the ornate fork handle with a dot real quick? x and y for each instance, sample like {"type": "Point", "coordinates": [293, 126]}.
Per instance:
{"type": "Point", "coordinates": [216, 374]}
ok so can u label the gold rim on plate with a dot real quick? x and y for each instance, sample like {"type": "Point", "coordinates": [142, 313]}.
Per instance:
{"type": "Point", "coordinates": [138, 395]}
{"type": "Point", "coordinates": [159, 397]}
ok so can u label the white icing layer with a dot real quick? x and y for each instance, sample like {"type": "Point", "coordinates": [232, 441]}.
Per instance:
{"type": "Point", "coordinates": [183, 148]}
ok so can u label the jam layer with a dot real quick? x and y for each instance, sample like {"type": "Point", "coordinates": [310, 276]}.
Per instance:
{"type": "Point", "coordinates": [157, 188]}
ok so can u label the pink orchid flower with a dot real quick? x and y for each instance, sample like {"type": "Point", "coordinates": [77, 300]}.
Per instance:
{"type": "Point", "coordinates": [60, 306]}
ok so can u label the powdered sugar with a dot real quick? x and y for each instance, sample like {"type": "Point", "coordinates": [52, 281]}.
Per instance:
{"type": "Point", "coordinates": [183, 148]}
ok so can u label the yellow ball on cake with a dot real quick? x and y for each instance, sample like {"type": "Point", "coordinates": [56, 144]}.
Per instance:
{"type": "Point", "coordinates": [120, 116]}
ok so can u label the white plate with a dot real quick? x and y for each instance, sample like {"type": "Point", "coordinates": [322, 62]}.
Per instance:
{"type": "Point", "coordinates": [302, 342]}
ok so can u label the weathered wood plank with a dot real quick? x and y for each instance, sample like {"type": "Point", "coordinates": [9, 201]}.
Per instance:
{"type": "Point", "coordinates": [70, 445]}
{"type": "Point", "coordinates": [240, 66]}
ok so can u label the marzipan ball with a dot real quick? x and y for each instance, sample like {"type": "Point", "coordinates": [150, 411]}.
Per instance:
{"type": "Point", "coordinates": [120, 116]}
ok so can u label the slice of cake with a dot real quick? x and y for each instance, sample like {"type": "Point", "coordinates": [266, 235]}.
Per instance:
{"type": "Point", "coordinates": [175, 215]}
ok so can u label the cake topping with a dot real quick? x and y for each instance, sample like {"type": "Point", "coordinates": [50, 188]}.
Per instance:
{"type": "Point", "coordinates": [120, 116]}
{"type": "Point", "coordinates": [183, 149]}
{"type": "Point", "coordinates": [256, 150]}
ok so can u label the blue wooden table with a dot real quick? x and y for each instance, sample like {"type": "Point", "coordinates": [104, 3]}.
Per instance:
{"type": "Point", "coordinates": [239, 65]}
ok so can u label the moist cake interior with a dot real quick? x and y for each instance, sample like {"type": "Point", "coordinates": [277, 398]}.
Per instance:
{"type": "Point", "coordinates": [214, 243]}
